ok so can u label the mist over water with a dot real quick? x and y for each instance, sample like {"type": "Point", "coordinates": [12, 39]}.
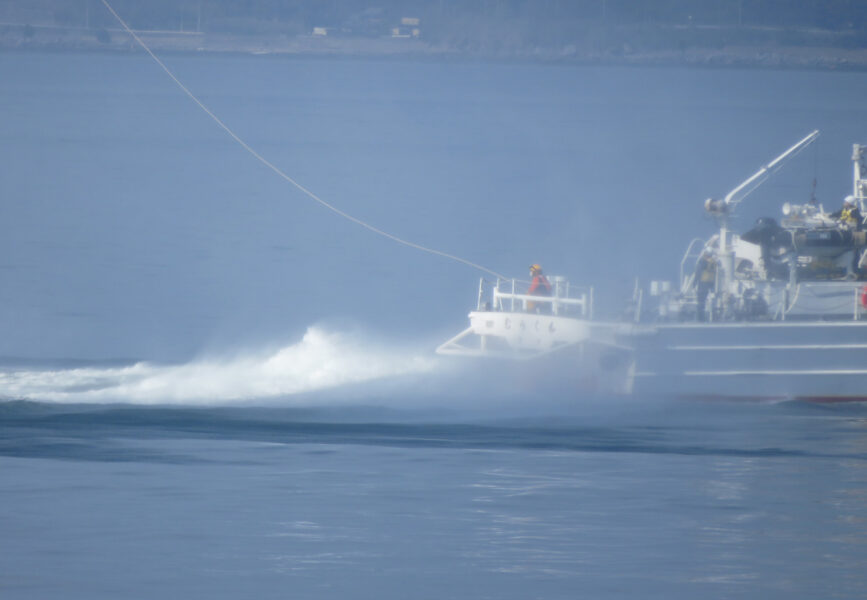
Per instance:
{"type": "Point", "coordinates": [185, 411]}
{"type": "Point", "coordinates": [134, 228]}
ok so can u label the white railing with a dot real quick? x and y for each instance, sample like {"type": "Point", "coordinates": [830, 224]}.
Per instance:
{"type": "Point", "coordinates": [510, 295]}
{"type": "Point", "coordinates": [690, 257]}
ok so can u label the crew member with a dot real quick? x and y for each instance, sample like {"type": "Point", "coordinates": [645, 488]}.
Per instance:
{"type": "Point", "coordinates": [540, 286]}
{"type": "Point", "coordinates": [849, 216]}
{"type": "Point", "coordinates": [705, 278]}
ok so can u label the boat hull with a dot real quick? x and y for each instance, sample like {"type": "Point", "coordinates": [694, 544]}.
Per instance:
{"type": "Point", "coordinates": [533, 352]}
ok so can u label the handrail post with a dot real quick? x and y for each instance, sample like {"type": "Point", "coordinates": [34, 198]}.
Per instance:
{"type": "Point", "coordinates": [590, 310]}
{"type": "Point", "coordinates": [513, 296]}
{"type": "Point", "coordinates": [558, 292]}
{"type": "Point", "coordinates": [785, 304]}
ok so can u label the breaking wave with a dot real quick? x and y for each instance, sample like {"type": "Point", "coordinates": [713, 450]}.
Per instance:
{"type": "Point", "coordinates": [322, 360]}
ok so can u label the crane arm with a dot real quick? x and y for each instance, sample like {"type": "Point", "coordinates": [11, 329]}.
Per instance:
{"type": "Point", "coordinates": [734, 197]}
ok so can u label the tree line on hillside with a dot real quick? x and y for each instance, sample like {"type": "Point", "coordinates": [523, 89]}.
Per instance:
{"type": "Point", "coordinates": [376, 17]}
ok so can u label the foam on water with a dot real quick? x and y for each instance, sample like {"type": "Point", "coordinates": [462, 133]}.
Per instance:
{"type": "Point", "coordinates": [322, 359]}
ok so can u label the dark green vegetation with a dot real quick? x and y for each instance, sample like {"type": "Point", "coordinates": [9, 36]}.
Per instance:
{"type": "Point", "coordinates": [579, 29]}
{"type": "Point", "coordinates": [373, 17]}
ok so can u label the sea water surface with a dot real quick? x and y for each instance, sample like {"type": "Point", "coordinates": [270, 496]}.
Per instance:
{"type": "Point", "coordinates": [213, 387]}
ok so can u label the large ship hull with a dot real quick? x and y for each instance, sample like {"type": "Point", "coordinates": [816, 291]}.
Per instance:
{"type": "Point", "coordinates": [822, 361]}
{"type": "Point", "coordinates": [815, 361]}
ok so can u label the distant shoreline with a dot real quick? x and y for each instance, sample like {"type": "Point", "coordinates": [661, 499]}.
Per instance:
{"type": "Point", "coordinates": [17, 38]}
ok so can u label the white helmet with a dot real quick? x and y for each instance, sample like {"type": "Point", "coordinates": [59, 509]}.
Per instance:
{"type": "Point", "coordinates": [850, 199]}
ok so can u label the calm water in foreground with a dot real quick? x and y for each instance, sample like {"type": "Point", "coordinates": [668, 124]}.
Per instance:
{"type": "Point", "coordinates": [612, 501]}
{"type": "Point", "coordinates": [213, 388]}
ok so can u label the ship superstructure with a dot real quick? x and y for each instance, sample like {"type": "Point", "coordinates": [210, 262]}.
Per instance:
{"type": "Point", "coordinates": [775, 312]}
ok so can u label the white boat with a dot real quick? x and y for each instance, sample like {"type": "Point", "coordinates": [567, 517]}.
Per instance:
{"type": "Point", "coordinates": [552, 340]}
{"type": "Point", "coordinates": [784, 314]}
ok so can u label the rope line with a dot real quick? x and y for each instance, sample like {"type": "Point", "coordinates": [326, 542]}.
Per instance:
{"type": "Point", "coordinates": [279, 172]}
